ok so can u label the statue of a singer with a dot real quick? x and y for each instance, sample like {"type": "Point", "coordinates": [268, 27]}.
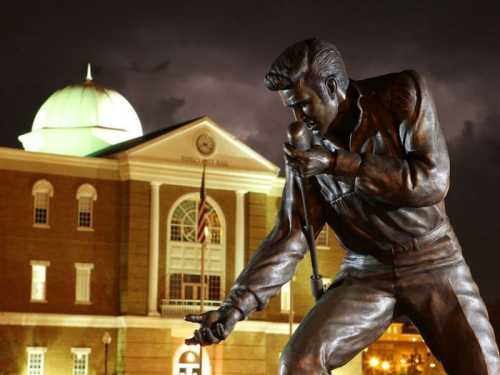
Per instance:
{"type": "Point", "coordinates": [377, 173]}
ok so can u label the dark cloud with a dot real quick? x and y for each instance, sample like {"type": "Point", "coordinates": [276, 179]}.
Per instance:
{"type": "Point", "coordinates": [473, 201]}
{"type": "Point", "coordinates": [179, 60]}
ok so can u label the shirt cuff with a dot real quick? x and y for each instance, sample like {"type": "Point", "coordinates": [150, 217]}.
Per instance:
{"type": "Point", "coordinates": [242, 299]}
{"type": "Point", "coordinates": [347, 163]}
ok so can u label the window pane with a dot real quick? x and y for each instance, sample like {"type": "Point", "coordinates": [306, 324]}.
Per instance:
{"type": "Point", "coordinates": [85, 212]}
{"type": "Point", "coordinates": [80, 363]}
{"type": "Point", "coordinates": [35, 363]}
{"type": "Point", "coordinates": [175, 286]}
{"type": "Point", "coordinates": [41, 208]}
{"type": "Point", "coordinates": [82, 293]}
{"type": "Point", "coordinates": [38, 274]}
{"type": "Point", "coordinates": [214, 288]}
{"type": "Point", "coordinates": [183, 225]}
{"type": "Point", "coordinates": [285, 297]}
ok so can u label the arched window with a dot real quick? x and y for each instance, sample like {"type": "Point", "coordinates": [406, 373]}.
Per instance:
{"type": "Point", "coordinates": [86, 195]}
{"type": "Point", "coordinates": [42, 192]}
{"type": "Point", "coordinates": [183, 225]}
{"type": "Point", "coordinates": [187, 361]}
{"type": "Point", "coordinates": [189, 364]}
{"type": "Point", "coordinates": [183, 281]}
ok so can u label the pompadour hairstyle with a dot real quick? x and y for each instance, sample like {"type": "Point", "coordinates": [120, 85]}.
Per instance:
{"type": "Point", "coordinates": [319, 57]}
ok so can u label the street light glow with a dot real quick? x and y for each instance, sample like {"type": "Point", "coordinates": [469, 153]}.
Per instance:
{"type": "Point", "coordinates": [386, 365]}
{"type": "Point", "coordinates": [374, 362]}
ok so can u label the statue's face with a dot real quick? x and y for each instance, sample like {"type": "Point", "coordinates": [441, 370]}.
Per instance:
{"type": "Point", "coordinates": [312, 107]}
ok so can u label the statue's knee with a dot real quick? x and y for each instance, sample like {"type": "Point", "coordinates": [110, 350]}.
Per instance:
{"type": "Point", "coordinates": [300, 362]}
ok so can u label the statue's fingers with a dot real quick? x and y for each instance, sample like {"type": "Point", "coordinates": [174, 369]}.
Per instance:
{"type": "Point", "coordinates": [192, 340]}
{"type": "Point", "coordinates": [220, 331]}
{"type": "Point", "coordinates": [194, 318]}
{"type": "Point", "coordinates": [292, 152]}
{"type": "Point", "coordinates": [208, 337]}
{"type": "Point", "coordinates": [288, 149]}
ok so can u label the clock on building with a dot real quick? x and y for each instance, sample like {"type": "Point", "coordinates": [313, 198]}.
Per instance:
{"type": "Point", "coordinates": [205, 144]}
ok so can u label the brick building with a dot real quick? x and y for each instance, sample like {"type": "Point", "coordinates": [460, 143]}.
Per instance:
{"type": "Point", "coordinates": [99, 261]}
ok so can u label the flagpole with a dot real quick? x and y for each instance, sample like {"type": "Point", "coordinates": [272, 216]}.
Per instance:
{"type": "Point", "coordinates": [202, 297]}
{"type": "Point", "coordinates": [291, 312]}
{"type": "Point", "coordinates": [202, 261]}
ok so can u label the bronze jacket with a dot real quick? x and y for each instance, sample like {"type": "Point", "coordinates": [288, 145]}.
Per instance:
{"type": "Point", "coordinates": [384, 200]}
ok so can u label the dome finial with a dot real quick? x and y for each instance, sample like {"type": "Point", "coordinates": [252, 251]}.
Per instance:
{"type": "Point", "coordinates": [89, 73]}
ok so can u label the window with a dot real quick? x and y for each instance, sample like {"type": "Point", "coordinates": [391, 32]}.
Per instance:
{"type": "Point", "coordinates": [38, 280]}
{"type": "Point", "coordinates": [322, 238]}
{"type": "Point", "coordinates": [42, 192]}
{"type": "Point", "coordinates": [183, 225]}
{"type": "Point", "coordinates": [183, 256]}
{"type": "Point", "coordinates": [285, 298]}
{"type": "Point", "coordinates": [80, 361]}
{"type": "Point", "coordinates": [189, 364]}
{"type": "Point", "coordinates": [188, 287]}
{"type": "Point", "coordinates": [36, 360]}
{"type": "Point", "coordinates": [86, 195]}
{"type": "Point", "coordinates": [82, 284]}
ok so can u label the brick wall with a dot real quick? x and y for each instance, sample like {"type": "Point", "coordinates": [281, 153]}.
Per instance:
{"type": "Point", "coordinates": [134, 247]}
{"type": "Point", "coordinates": [58, 341]}
{"type": "Point", "coordinates": [61, 244]}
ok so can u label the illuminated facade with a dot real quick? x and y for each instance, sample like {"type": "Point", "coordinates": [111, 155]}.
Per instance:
{"type": "Point", "coordinates": [99, 258]}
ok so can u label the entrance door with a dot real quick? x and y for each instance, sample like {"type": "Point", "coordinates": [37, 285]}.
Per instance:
{"type": "Point", "coordinates": [189, 364]}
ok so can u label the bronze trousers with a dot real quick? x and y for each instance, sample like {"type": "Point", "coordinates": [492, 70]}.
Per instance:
{"type": "Point", "coordinates": [444, 303]}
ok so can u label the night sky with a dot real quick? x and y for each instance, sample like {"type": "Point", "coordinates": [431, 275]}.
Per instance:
{"type": "Point", "coordinates": [174, 62]}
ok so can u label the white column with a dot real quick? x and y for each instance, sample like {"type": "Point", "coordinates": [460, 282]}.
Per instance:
{"type": "Point", "coordinates": [154, 249]}
{"type": "Point", "coordinates": [239, 246]}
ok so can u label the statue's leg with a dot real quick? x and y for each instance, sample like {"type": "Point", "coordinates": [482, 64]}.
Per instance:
{"type": "Point", "coordinates": [346, 319]}
{"type": "Point", "coordinates": [446, 307]}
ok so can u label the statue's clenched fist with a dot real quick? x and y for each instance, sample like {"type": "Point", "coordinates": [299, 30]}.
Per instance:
{"type": "Point", "coordinates": [312, 162]}
{"type": "Point", "coordinates": [216, 325]}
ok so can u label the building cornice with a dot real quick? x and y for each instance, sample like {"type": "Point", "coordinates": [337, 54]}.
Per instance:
{"type": "Point", "coordinates": [128, 321]}
{"type": "Point", "coordinates": [63, 165]}
{"type": "Point", "coordinates": [189, 175]}
{"type": "Point", "coordinates": [140, 170]}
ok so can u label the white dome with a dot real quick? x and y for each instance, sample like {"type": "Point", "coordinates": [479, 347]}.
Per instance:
{"type": "Point", "coordinates": [81, 119]}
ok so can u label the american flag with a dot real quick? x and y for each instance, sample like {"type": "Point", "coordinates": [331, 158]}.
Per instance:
{"type": "Point", "coordinates": [202, 210]}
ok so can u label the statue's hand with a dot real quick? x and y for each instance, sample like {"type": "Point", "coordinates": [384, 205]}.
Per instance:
{"type": "Point", "coordinates": [216, 325]}
{"type": "Point", "coordinates": [312, 162]}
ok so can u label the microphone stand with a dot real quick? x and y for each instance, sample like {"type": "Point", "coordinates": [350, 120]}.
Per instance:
{"type": "Point", "coordinates": [300, 137]}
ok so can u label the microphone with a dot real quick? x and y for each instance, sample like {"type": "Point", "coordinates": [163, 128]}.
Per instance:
{"type": "Point", "coordinates": [299, 135]}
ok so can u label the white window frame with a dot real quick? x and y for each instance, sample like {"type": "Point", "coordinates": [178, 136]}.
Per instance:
{"type": "Point", "coordinates": [38, 265]}
{"type": "Point", "coordinates": [32, 351]}
{"type": "Point", "coordinates": [85, 192]}
{"type": "Point", "coordinates": [78, 353]}
{"type": "Point", "coordinates": [285, 297]}
{"type": "Point", "coordinates": [323, 233]}
{"type": "Point", "coordinates": [42, 188]}
{"type": "Point", "coordinates": [83, 274]}
{"type": "Point", "coordinates": [183, 257]}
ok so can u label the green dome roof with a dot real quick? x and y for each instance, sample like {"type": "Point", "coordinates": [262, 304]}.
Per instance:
{"type": "Point", "coordinates": [85, 105]}
{"type": "Point", "coordinates": [81, 119]}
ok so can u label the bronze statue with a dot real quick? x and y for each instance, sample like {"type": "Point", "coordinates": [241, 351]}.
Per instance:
{"type": "Point", "coordinates": [377, 173]}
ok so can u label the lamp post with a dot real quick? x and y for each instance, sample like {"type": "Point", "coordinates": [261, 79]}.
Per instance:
{"type": "Point", "coordinates": [106, 340]}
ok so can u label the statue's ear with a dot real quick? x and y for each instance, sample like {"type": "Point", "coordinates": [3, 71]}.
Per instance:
{"type": "Point", "coordinates": [331, 86]}
{"type": "Point", "coordinates": [334, 90]}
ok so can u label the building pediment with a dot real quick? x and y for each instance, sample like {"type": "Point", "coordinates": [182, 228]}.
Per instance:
{"type": "Point", "coordinates": [190, 144]}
